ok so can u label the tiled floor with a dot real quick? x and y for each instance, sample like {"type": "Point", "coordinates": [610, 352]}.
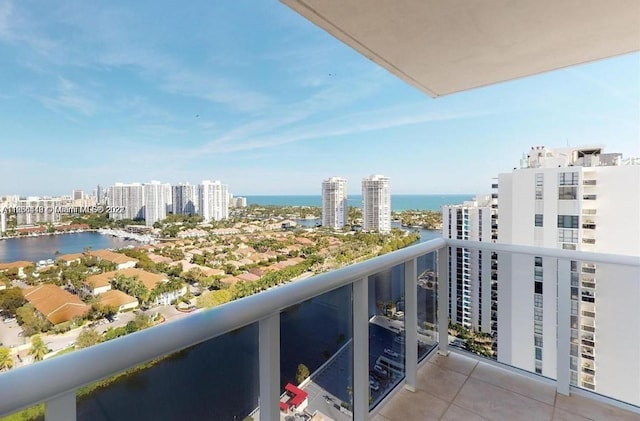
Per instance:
{"type": "Point", "coordinates": [459, 388]}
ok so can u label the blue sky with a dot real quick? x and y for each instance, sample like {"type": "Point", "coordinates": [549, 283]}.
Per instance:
{"type": "Point", "coordinates": [252, 94]}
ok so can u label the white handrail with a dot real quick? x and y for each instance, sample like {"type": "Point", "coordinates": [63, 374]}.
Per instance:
{"type": "Point", "coordinates": [32, 384]}
{"type": "Point", "coordinates": [28, 385]}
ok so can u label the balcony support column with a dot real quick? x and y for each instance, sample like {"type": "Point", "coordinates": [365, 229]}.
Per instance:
{"type": "Point", "coordinates": [411, 324]}
{"type": "Point", "coordinates": [443, 301]}
{"type": "Point", "coordinates": [269, 360]}
{"type": "Point", "coordinates": [360, 312]}
{"type": "Point", "coordinates": [563, 366]}
{"type": "Point", "coordinates": [61, 408]}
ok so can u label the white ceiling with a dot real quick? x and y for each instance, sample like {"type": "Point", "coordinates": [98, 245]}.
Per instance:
{"type": "Point", "coordinates": [447, 46]}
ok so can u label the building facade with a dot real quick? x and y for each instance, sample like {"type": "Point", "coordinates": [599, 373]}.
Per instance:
{"type": "Point", "coordinates": [185, 199]}
{"type": "Point", "coordinates": [129, 198]}
{"type": "Point", "coordinates": [574, 199]}
{"type": "Point", "coordinates": [213, 200]}
{"type": "Point", "coordinates": [376, 204]}
{"type": "Point", "coordinates": [334, 202]}
{"type": "Point", "coordinates": [470, 270]}
{"type": "Point", "coordinates": [155, 202]}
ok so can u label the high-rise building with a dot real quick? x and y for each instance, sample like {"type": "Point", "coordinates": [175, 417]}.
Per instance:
{"type": "Point", "coordinates": [376, 203]}
{"type": "Point", "coordinates": [77, 194]}
{"type": "Point", "coordinates": [129, 198]}
{"type": "Point", "coordinates": [469, 269]}
{"type": "Point", "coordinates": [213, 200]}
{"type": "Point", "coordinates": [155, 202]}
{"type": "Point", "coordinates": [334, 202]}
{"type": "Point", "coordinates": [574, 199]}
{"type": "Point", "coordinates": [185, 199]}
{"type": "Point", "coordinates": [3, 222]}
{"type": "Point", "coordinates": [99, 194]}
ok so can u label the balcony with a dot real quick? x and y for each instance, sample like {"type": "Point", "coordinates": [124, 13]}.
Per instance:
{"type": "Point", "coordinates": [247, 352]}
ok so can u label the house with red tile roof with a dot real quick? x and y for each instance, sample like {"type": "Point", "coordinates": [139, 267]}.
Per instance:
{"type": "Point", "coordinates": [56, 304]}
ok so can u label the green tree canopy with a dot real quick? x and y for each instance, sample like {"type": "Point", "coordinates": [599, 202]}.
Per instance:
{"type": "Point", "coordinates": [10, 300]}
{"type": "Point", "coordinates": [6, 360]}
{"type": "Point", "coordinates": [38, 348]}
{"type": "Point", "coordinates": [87, 338]}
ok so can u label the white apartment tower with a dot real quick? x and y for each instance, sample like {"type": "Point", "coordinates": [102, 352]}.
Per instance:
{"type": "Point", "coordinates": [185, 199]}
{"type": "Point", "coordinates": [470, 270]}
{"type": "Point", "coordinates": [213, 198]}
{"type": "Point", "coordinates": [573, 199]}
{"type": "Point", "coordinates": [155, 202]}
{"type": "Point", "coordinates": [376, 203]}
{"type": "Point", "coordinates": [334, 202]}
{"type": "Point", "coordinates": [128, 197]}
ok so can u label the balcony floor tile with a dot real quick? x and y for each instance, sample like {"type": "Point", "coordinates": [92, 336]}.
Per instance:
{"type": "Point", "coordinates": [496, 403]}
{"type": "Point", "coordinates": [592, 409]}
{"type": "Point", "coordinates": [455, 362]}
{"type": "Point", "coordinates": [456, 413]}
{"type": "Point", "coordinates": [520, 384]}
{"type": "Point", "coordinates": [457, 387]}
{"type": "Point", "coordinates": [440, 382]}
{"type": "Point", "coordinates": [417, 405]}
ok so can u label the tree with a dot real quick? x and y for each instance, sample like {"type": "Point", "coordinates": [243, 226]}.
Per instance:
{"type": "Point", "coordinates": [38, 348]}
{"type": "Point", "coordinates": [31, 320]}
{"type": "Point", "coordinates": [88, 337]}
{"type": "Point", "coordinates": [303, 373]}
{"type": "Point", "coordinates": [6, 360]}
{"type": "Point", "coordinates": [10, 300]}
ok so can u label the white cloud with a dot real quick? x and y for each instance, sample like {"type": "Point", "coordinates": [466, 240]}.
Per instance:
{"type": "Point", "coordinates": [69, 97]}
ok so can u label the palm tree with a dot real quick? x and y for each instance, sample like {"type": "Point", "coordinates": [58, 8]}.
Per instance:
{"type": "Point", "coordinates": [38, 348]}
{"type": "Point", "coordinates": [6, 360]}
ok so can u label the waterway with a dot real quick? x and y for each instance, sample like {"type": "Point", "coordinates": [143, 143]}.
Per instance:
{"type": "Point", "coordinates": [45, 246]}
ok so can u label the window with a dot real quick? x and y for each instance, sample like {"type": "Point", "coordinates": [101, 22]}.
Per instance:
{"type": "Point", "coordinates": [574, 266]}
{"type": "Point", "coordinates": [538, 354]}
{"type": "Point", "coordinates": [574, 308]}
{"type": "Point", "coordinates": [539, 186]}
{"type": "Point", "coordinates": [538, 367]}
{"type": "Point", "coordinates": [537, 339]}
{"type": "Point", "coordinates": [569, 178]}
{"type": "Point", "coordinates": [567, 193]}
{"type": "Point", "coordinates": [538, 261]}
{"type": "Point", "coordinates": [537, 274]}
{"type": "Point", "coordinates": [567, 221]}
{"type": "Point", "coordinates": [568, 235]}
{"type": "Point", "coordinates": [538, 220]}
{"type": "Point", "coordinates": [538, 287]}
{"type": "Point", "coordinates": [537, 300]}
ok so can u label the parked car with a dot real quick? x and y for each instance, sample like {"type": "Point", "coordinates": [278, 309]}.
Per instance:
{"type": "Point", "coordinates": [9, 320]}
{"type": "Point", "coordinates": [390, 352]}
{"type": "Point", "coordinates": [378, 369]}
{"type": "Point", "coordinates": [374, 385]}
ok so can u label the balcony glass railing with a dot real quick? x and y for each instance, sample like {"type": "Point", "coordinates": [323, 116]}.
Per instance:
{"type": "Point", "coordinates": [339, 343]}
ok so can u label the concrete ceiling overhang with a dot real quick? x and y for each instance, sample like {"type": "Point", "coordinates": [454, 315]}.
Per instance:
{"type": "Point", "coordinates": [447, 46]}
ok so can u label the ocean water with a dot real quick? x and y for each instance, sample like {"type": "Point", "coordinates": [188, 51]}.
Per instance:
{"type": "Point", "coordinates": [399, 202]}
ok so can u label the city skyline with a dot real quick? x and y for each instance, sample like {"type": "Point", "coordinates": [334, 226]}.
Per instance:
{"type": "Point", "coordinates": [104, 94]}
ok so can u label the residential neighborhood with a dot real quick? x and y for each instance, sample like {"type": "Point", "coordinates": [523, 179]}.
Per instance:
{"type": "Point", "coordinates": [84, 294]}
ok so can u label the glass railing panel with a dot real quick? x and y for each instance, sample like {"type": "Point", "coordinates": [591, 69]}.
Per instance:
{"type": "Point", "coordinates": [427, 297]}
{"type": "Point", "coordinates": [473, 301]}
{"type": "Point", "coordinates": [316, 354]}
{"type": "Point", "coordinates": [605, 338]}
{"type": "Point", "coordinates": [386, 332]}
{"type": "Point", "coordinates": [217, 379]}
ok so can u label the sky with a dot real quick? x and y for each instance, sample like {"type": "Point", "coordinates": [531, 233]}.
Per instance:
{"type": "Point", "coordinates": [254, 95]}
